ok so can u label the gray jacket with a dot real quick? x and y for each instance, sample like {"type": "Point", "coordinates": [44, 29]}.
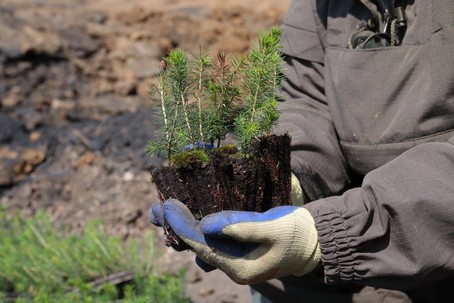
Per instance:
{"type": "Point", "coordinates": [373, 141]}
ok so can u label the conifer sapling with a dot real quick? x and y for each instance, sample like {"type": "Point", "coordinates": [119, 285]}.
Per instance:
{"type": "Point", "coordinates": [200, 101]}
{"type": "Point", "coordinates": [203, 99]}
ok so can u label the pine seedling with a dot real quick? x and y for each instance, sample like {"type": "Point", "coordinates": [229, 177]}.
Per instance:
{"type": "Point", "coordinates": [262, 75]}
{"type": "Point", "coordinates": [173, 90]}
{"type": "Point", "coordinates": [196, 99]}
{"type": "Point", "coordinates": [224, 92]}
{"type": "Point", "coordinates": [200, 99]}
{"type": "Point", "coordinates": [164, 141]}
{"type": "Point", "coordinates": [202, 67]}
{"type": "Point", "coordinates": [180, 85]}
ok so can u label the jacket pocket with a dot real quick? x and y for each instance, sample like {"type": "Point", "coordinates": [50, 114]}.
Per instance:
{"type": "Point", "coordinates": [391, 95]}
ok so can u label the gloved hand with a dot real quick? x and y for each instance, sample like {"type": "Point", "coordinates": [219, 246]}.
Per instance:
{"type": "Point", "coordinates": [199, 145]}
{"type": "Point", "coordinates": [249, 247]}
{"type": "Point", "coordinates": [297, 191]}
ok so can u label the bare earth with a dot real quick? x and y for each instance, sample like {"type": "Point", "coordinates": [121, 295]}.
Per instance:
{"type": "Point", "coordinates": [75, 113]}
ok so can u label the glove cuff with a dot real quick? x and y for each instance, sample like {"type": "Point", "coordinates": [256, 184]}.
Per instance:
{"type": "Point", "coordinates": [297, 193]}
{"type": "Point", "coordinates": [312, 262]}
{"type": "Point", "coordinates": [306, 242]}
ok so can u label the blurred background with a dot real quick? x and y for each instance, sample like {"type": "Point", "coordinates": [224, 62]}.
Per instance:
{"type": "Point", "coordinates": [75, 112]}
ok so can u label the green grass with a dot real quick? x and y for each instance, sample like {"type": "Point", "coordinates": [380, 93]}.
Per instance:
{"type": "Point", "coordinates": [42, 263]}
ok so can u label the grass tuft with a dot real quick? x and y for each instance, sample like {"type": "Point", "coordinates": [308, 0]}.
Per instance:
{"type": "Point", "coordinates": [42, 263]}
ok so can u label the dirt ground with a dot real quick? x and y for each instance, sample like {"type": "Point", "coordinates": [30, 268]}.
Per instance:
{"type": "Point", "coordinates": [75, 114]}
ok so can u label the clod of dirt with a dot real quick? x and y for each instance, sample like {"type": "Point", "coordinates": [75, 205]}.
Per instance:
{"type": "Point", "coordinates": [230, 180]}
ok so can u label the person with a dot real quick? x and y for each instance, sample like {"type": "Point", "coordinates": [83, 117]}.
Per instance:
{"type": "Point", "coordinates": [368, 99]}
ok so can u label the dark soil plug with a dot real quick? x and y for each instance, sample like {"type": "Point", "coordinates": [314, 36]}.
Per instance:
{"type": "Point", "coordinates": [229, 180]}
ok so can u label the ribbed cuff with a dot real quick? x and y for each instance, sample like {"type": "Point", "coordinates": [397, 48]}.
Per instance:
{"type": "Point", "coordinates": [336, 248]}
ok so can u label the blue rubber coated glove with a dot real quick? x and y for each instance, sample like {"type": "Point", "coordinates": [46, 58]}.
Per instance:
{"type": "Point", "coordinates": [249, 247]}
{"type": "Point", "coordinates": [199, 145]}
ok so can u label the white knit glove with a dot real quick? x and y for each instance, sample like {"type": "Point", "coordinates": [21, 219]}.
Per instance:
{"type": "Point", "coordinates": [249, 247]}
{"type": "Point", "coordinates": [297, 192]}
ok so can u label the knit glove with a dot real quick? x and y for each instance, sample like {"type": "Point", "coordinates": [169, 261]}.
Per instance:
{"type": "Point", "coordinates": [249, 247]}
{"type": "Point", "coordinates": [297, 191]}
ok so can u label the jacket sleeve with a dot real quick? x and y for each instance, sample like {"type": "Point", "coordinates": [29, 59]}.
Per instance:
{"type": "Point", "coordinates": [317, 160]}
{"type": "Point", "coordinates": [397, 230]}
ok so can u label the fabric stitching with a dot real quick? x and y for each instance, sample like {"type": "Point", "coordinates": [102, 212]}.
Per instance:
{"type": "Point", "coordinates": [301, 29]}
{"type": "Point", "coordinates": [348, 143]}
